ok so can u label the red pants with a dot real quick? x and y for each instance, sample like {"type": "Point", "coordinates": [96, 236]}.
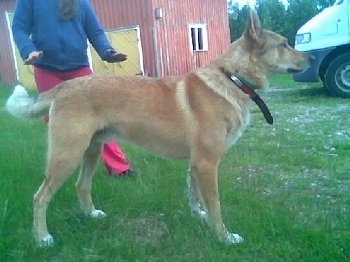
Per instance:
{"type": "Point", "coordinates": [112, 156]}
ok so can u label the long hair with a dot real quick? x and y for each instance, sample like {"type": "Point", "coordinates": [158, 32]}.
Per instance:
{"type": "Point", "coordinates": [68, 8]}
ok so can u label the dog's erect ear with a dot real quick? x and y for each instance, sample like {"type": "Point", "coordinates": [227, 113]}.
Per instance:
{"type": "Point", "coordinates": [253, 30]}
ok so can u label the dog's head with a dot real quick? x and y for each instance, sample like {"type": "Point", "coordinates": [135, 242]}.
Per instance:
{"type": "Point", "coordinates": [272, 50]}
{"type": "Point", "coordinates": [260, 53]}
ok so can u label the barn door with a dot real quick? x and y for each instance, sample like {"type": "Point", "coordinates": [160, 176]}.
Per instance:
{"type": "Point", "coordinates": [24, 73]}
{"type": "Point", "coordinates": [127, 41]}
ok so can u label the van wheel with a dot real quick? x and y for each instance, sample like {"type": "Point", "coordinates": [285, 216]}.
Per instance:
{"type": "Point", "coordinates": [337, 76]}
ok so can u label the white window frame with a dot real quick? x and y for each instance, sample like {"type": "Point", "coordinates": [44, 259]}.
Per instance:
{"type": "Point", "coordinates": [198, 37]}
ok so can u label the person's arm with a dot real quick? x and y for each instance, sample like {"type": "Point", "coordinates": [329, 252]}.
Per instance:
{"type": "Point", "coordinates": [98, 38]}
{"type": "Point", "coordinates": [22, 27]}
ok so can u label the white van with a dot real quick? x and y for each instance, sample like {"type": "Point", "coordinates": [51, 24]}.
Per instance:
{"type": "Point", "coordinates": [327, 37]}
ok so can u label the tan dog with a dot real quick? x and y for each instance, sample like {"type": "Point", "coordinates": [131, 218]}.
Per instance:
{"type": "Point", "coordinates": [197, 116]}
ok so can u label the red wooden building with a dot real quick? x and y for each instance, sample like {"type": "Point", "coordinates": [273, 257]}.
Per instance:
{"type": "Point", "coordinates": [176, 36]}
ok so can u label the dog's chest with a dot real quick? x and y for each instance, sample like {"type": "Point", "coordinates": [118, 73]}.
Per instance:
{"type": "Point", "coordinates": [235, 128]}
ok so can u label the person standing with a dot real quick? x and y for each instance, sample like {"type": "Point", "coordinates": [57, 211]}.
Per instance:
{"type": "Point", "coordinates": [53, 36]}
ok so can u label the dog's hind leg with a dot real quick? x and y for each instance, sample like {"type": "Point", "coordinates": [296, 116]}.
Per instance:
{"type": "Point", "coordinates": [59, 169]}
{"type": "Point", "coordinates": [65, 153]}
{"type": "Point", "coordinates": [83, 184]}
{"type": "Point", "coordinates": [204, 172]}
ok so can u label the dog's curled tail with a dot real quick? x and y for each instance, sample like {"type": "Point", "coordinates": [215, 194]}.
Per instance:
{"type": "Point", "coordinates": [21, 105]}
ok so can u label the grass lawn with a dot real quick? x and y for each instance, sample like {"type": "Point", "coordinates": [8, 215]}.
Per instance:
{"type": "Point", "coordinates": [285, 188]}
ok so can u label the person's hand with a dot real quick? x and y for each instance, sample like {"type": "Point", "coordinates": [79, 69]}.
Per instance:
{"type": "Point", "coordinates": [33, 57]}
{"type": "Point", "coordinates": [112, 56]}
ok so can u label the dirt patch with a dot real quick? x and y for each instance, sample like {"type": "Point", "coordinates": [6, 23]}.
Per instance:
{"type": "Point", "coordinates": [148, 230]}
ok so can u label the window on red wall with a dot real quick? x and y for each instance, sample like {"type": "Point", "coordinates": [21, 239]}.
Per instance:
{"type": "Point", "coordinates": [198, 37]}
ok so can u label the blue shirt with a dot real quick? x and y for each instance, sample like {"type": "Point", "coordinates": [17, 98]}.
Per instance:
{"type": "Point", "coordinates": [38, 26]}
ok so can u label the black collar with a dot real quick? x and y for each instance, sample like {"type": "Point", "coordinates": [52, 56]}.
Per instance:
{"type": "Point", "coordinates": [248, 89]}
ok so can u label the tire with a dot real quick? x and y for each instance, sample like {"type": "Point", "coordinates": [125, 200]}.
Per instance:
{"type": "Point", "coordinates": [337, 76]}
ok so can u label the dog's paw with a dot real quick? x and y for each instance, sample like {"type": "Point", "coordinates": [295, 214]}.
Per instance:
{"type": "Point", "coordinates": [98, 214]}
{"type": "Point", "coordinates": [202, 214]}
{"type": "Point", "coordinates": [47, 241]}
{"type": "Point", "coordinates": [198, 211]}
{"type": "Point", "coordinates": [233, 239]}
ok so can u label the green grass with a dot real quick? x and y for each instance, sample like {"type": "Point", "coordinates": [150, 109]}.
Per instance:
{"type": "Point", "coordinates": [285, 188]}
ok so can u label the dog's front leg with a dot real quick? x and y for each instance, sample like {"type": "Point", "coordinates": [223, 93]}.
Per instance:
{"type": "Point", "coordinates": [194, 197]}
{"type": "Point", "coordinates": [205, 174]}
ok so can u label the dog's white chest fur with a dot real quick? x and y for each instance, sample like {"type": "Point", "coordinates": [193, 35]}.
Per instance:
{"type": "Point", "coordinates": [234, 134]}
